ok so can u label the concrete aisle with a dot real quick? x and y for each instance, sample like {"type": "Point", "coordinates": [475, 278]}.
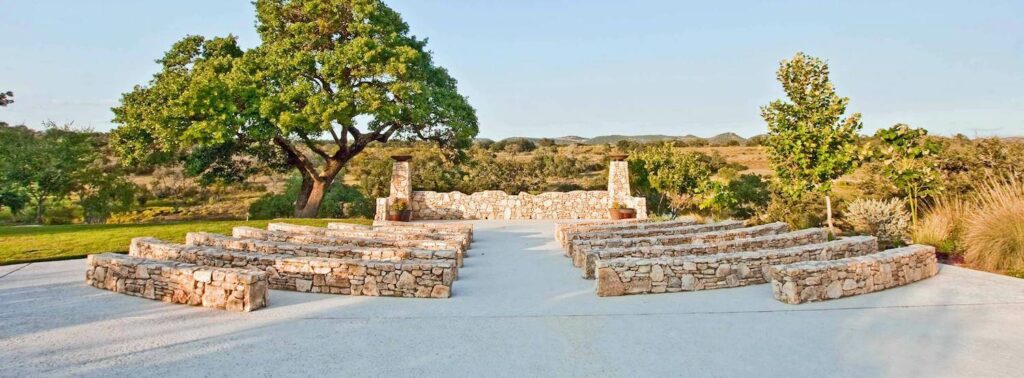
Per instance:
{"type": "Point", "coordinates": [518, 309]}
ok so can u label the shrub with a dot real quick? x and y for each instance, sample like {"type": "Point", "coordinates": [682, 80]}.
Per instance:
{"type": "Point", "coordinates": [888, 220]}
{"type": "Point", "coordinates": [942, 225]}
{"type": "Point", "coordinates": [994, 234]}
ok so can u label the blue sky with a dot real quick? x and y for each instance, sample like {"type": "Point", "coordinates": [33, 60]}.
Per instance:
{"type": "Point", "coordinates": [553, 68]}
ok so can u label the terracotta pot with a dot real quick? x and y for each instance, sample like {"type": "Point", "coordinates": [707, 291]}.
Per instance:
{"type": "Point", "coordinates": [622, 213]}
{"type": "Point", "coordinates": [405, 215]}
{"type": "Point", "coordinates": [394, 217]}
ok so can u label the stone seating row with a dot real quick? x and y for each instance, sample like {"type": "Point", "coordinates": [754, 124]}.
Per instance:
{"type": "Point", "coordinates": [811, 281]}
{"type": "Point", "coordinates": [767, 242]}
{"type": "Point", "coordinates": [304, 238]}
{"type": "Point", "coordinates": [232, 289]}
{"type": "Point", "coordinates": [406, 278]}
{"type": "Point", "coordinates": [589, 240]}
{"type": "Point", "coordinates": [454, 227]}
{"type": "Point", "coordinates": [563, 230]}
{"type": "Point", "coordinates": [699, 234]}
{"type": "Point", "coordinates": [461, 239]}
{"type": "Point", "coordinates": [661, 274]}
{"type": "Point", "coordinates": [317, 250]}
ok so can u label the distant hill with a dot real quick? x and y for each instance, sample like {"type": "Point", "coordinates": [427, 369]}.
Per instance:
{"type": "Point", "coordinates": [720, 139]}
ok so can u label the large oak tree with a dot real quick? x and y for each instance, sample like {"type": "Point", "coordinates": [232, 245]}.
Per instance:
{"type": "Point", "coordinates": [329, 78]}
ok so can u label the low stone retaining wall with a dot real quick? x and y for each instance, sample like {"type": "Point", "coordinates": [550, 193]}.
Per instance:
{"type": "Point", "coordinates": [409, 278]}
{"type": "Point", "coordinates": [495, 204]}
{"type": "Point", "coordinates": [291, 237]}
{"type": "Point", "coordinates": [716, 233]}
{"type": "Point", "coordinates": [564, 228]}
{"type": "Point", "coordinates": [822, 280]}
{"type": "Point", "coordinates": [623, 276]}
{"type": "Point", "coordinates": [599, 239]}
{"type": "Point", "coordinates": [176, 282]}
{"type": "Point", "coordinates": [767, 242]}
{"type": "Point", "coordinates": [461, 239]}
{"type": "Point", "coordinates": [204, 239]}
{"type": "Point", "coordinates": [462, 228]}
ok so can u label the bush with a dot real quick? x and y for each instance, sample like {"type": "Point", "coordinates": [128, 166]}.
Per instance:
{"type": "Point", "coordinates": [339, 201]}
{"type": "Point", "coordinates": [942, 225]}
{"type": "Point", "coordinates": [994, 233]}
{"type": "Point", "coordinates": [888, 220]}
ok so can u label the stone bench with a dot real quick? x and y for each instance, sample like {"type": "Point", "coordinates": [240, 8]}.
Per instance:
{"type": "Point", "coordinates": [230, 289]}
{"type": "Point", "coordinates": [316, 250]}
{"type": "Point", "coordinates": [408, 278]}
{"type": "Point", "coordinates": [459, 227]}
{"type": "Point", "coordinates": [774, 241]}
{"type": "Point", "coordinates": [562, 229]}
{"type": "Point", "coordinates": [701, 234]}
{"type": "Point", "coordinates": [590, 240]}
{"type": "Point", "coordinates": [462, 240]}
{"type": "Point", "coordinates": [623, 276]}
{"type": "Point", "coordinates": [823, 280]}
{"type": "Point", "coordinates": [303, 238]}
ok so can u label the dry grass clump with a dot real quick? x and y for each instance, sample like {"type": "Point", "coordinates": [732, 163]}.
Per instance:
{"type": "Point", "coordinates": [994, 228]}
{"type": "Point", "coordinates": [942, 225]}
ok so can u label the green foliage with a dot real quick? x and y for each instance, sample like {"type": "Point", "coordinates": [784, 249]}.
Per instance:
{"type": "Point", "coordinates": [339, 197]}
{"type": "Point", "coordinates": [886, 220]}
{"type": "Point", "coordinates": [6, 98]}
{"type": "Point", "coordinates": [347, 71]}
{"type": "Point", "coordinates": [906, 160]}
{"type": "Point", "coordinates": [667, 178]}
{"type": "Point", "coordinates": [809, 143]}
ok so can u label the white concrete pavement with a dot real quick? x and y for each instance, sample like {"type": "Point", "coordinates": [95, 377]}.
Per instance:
{"type": "Point", "coordinates": [518, 309]}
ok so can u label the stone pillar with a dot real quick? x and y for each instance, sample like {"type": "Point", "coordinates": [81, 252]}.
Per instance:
{"type": "Point", "coordinates": [618, 179]}
{"type": "Point", "coordinates": [401, 178]}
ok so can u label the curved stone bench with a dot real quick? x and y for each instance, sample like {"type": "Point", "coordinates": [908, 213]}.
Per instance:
{"type": "Point", "coordinates": [302, 238]}
{"type": "Point", "coordinates": [822, 280]}
{"type": "Point", "coordinates": [408, 278]}
{"type": "Point", "coordinates": [562, 229]}
{"type": "Point", "coordinates": [230, 289]}
{"type": "Point", "coordinates": [715, 233]}
{"type": "Point", "coordinates": [459, 227]}
{"type": "Point", "coordinates": [590, 240]}
{"type": "Point", "coordinates": [767, 242]}
{"type": "Point", "coordinates": [623, 276]}
{"type": "Point", "coordinates": [205, 239]}
{"type": "Point", "coordinates": [462, 240]}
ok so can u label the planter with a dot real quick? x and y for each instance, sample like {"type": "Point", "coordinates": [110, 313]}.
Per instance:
{"type": "Point", "coordinates": [400, 216]}
{"type": "Point", "coordinates": [951, 259]}
{"type": "Point", "coordinates": [622, 213]}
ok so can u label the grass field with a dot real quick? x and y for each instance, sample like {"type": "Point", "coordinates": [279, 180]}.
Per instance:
{"type": "Point", "coordinates": [21, 244]}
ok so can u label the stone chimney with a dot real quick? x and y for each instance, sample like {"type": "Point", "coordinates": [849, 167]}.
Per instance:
{"type": "Point", "coordinates": [618, 179]}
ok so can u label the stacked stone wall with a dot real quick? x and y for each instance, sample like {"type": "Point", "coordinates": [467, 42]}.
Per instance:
{"type": "Point", "coordinates": [624, 276]}
{"type": "Point", "coordinates": [568, 234]}
{"type": "Point", "coordinates": [177, 282]}
{"type": "Point", "coordinates": [563, 229]}
{"type": "Point", "coordinates": [203, 239]}
{"type": "Point", "coordinates": [775, 241]}
{"type": "Point", "coordinates": [583, 242]}
{"type": "Point", "coordinates": [299, 238]}
{"type": "Point", "coordinates": [494, 204]}
{"type": "Point", "coordinates": [408, 278]}
{"type": "Point", "coordinates": [461, 239]}
{"type": "Point", "coordinates": [459, 228]}
{"type": "Point", "coordinates": [822, 280]}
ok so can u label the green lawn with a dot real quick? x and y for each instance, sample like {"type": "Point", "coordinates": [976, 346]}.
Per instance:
{"type": "Point", "coordinates": [20, 244]}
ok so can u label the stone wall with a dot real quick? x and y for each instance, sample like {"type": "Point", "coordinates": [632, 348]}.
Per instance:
{"type": "Point", "coordinates": [822, 280]}
{"type": "Point", "coordinates": [495, 204]}
{"type": "Point", "coordinates": [460, 228]}
{"type": "Point", "coordinates": [564, 229]}
{"type": "Point", "coordinates": [618, 237]}
{"type": "Point", "coordinates": [408, 278]}
{"type": "Point", "coordinates": [767, 242]}
{"type": "Point", "coordinates": [291, 237]}
{"type": "Point", "coordinates": [203, 239]}
{"type": "Point", "coordinates": [177, 282]}
{"type": "Point", "coordinates": [624, 276]}
{"type": "Point", "coordinates": [406, 234]}
{"type": "Point", "coordinates": [726, 231]}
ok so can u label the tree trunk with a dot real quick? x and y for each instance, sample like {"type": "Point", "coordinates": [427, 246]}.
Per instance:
{"type": "Point", "coordinates": [828, 211]}
{"type": "Point", "coordinates": [307, 205]}
{"type": "Point", "coordinates": [40, 206]}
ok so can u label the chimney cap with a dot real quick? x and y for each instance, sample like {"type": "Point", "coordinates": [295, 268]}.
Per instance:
{"type": "Point", "coordinates": [401, 157]}
{"type": "Point", "coordinates": [618, 156]}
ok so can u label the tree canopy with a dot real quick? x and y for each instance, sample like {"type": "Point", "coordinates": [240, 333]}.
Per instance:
{"type": "Point", "coordinates": [330, 77]}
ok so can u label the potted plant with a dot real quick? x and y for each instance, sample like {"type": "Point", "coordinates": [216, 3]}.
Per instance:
{"type": "Point", "coordinates": [399, 211]}
{"type": "Point", "coordinates": [620, 211]}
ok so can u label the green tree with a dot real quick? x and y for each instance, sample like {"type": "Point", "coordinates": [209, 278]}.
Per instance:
{"type": "Point", "coordinates": [344, 71]}
{"type": "Point", "coordinates": [906, 156]}
{"type": "Point", "coordinates": [809, 144]}
{"type": "Point", "coordinates": [661, 174]}
{"type": "Point", "coordinates": [6, 98]}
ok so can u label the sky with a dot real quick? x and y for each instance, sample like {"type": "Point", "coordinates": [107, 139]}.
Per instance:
{"type": "Point", "coordinates": [586, 68]}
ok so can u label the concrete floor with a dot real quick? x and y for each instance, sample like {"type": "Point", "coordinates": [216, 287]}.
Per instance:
{"type": "Point", "coordinates": [518, 309]}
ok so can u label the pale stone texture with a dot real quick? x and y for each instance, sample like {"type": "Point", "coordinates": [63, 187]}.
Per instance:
{"type": "Point", "coordinates": [564, 229]}
{"type": "Point", "coordinates": [622, 276]}
{"type": "Point", "coordinates": [618, 182]}
{"type": "Point", "coordinates": [822, 280]}
{"type": "Point", "coordinates": [774, 241]}
{"type": "Point", "coordinates": [392, 242]}
{"type": "Point", "coordinates": [407, 278]}
{"type": "Point", "coordinates": [401, 180]}
{"type": "Point", "coordinates": [462, 239]}
{"type": "Point", "coordinates": [230, 289]}
{"type": "Point", "coordinates": [316, 250]}
{"type": "Point", "coordinates": [585, 241]}
{"type": "Point", "coordinates": [463, 228]}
